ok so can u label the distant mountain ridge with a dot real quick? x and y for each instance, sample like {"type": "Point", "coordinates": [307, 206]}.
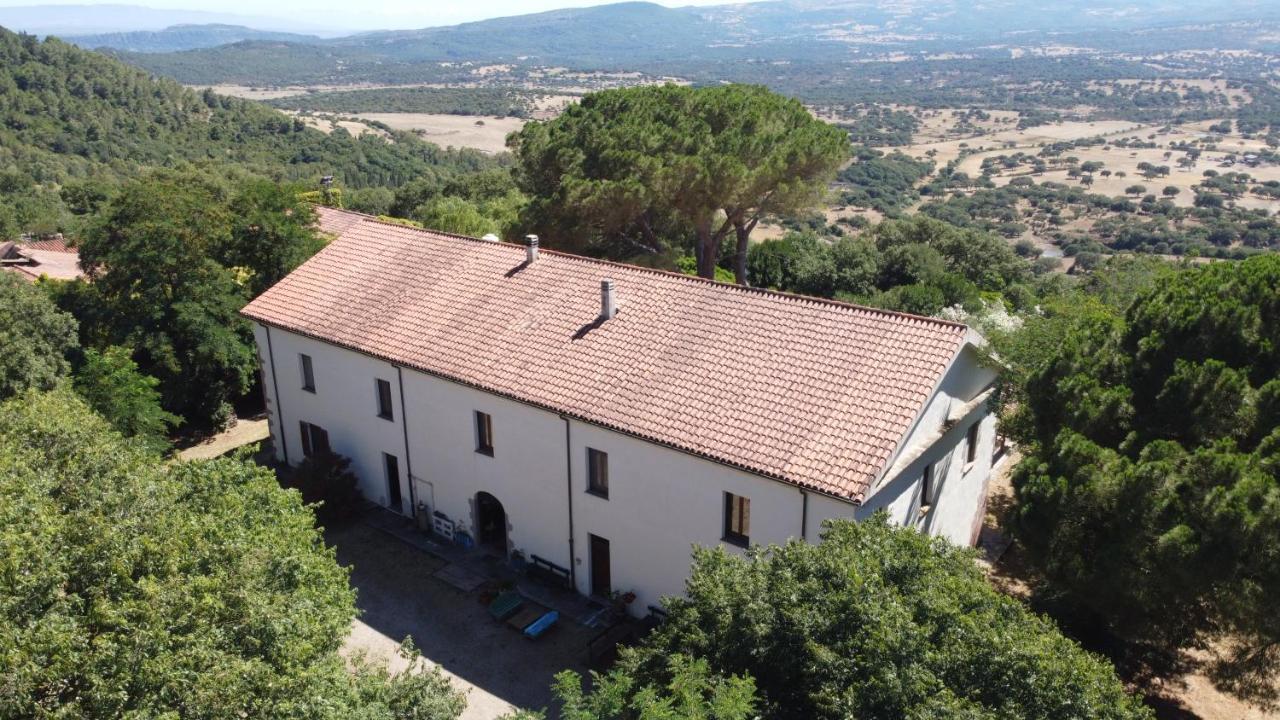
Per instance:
{"type": "Point", "coordinates": [178, 38]}
{"type": "Point", "coordinates": [65, 20]}
{"type": "Point", "coordinates": [653, 38]}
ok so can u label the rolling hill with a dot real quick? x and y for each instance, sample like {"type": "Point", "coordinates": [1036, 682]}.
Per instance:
{"type": "Point", "coordinates": [649, 37]}
{"type": "Point", "coordinates": [183, 37]}
{"type": "Point", "coordinates": [64, 20]}
{"type": "Point", "coordinates": [74, 122]}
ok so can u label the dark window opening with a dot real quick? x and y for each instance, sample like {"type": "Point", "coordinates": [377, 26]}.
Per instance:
{"type": "Point", "coordinates": [737, 519]}
{"type": "Point", "coordinates": [384, 400]}
{"type": "Point", "coordinates": [598, 473]}
{"type": "Point", "coordinates": [484, 433]}
{"type": "Point", "coordinates": [926, 488]}
{"type": "Point", "coordinates": [308, 376]}
{"type": "Point", "coordinates": [971, 440]}
{"type": "Point", "coordinates": [315, 439]}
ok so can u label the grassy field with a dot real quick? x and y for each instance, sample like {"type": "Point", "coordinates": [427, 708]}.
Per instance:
{"type": "Point", "coordinates": [487, 134]}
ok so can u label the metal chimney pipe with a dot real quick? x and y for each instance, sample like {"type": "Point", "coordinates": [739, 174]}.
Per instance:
{"type": "Point", "coordinates": [608, 303]}
{"type": "Point", "coordinates": [531, 248]}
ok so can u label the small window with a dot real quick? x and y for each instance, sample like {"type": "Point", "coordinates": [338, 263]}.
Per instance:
{"type": "Point", "coordinates": [737, 519]}
{"type": "Point", "coordinates": [308, 377]}
{"type": "Point", "coordinates": [315, 439]}
{"type": "Point", "coordinates": [598, 473]}
{"type": "Point", "coordinates": [384, 400]}
{"type": "Point", "coordinates": [484, 433]}
{"type": "Point", "coordinates": [926, 488]}
{"type": "Point", "coordinates": [971, 443]}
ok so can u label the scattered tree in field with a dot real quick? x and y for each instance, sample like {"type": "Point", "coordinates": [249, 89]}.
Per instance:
{"type": "Point", "coordinates": [1170, 191]}
{"type": "Point", "coordinates": [645, 163]}
{"type": "Point", "coordinates": [35, 337]}
{"type": "Point", "coordinates": [139, 588]}
{"type": "Point", "coordinates": [914, 264]}
{"type": "Point", "coordinates": [1150, 490]}
{"type": "Point", "coordinates": [877, 621]}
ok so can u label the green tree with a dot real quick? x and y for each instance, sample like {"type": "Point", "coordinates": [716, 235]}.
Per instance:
{"type": "Point", "coordinates": [647, 161]}
{"type": "Point", "coordinates": [132, 587]}
{"type": "Point", "coordinates": [112, 385]}
{"type": "Point", "coordinates": [1150, 490]}
{"type": "Point", "coordinates": [328, 485]}
{"type": "Point", "coordinates": [690, 692]}
{"type": "Point", "coordinates": [455, 215]}
{"type": "Point", "coordinates": [151, 259]}
{"type": "Point", "coordinates": [272, 232]}
{"type": "Point", "coordinates": [35, 337]}
{"type": "Point", "coordinates": [875, 622]}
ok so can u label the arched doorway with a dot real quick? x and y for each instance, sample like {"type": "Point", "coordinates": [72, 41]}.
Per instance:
{"type": "Point", "coordinates": [491, 523]}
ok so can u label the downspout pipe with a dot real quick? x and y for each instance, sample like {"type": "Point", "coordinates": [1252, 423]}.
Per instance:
{"type": "Point", "coordinates": [804, 516]}
{"type": "Point", "coordinates": [404, 425]}
{"type": "Point", "coordinates": [279, 406]}
{"type": "Point", "coordinates": [568, 470]}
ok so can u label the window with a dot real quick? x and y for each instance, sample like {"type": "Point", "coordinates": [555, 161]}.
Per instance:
{"type": "Point", "coordinates": [308, 377]}
{"type": "Point", "coordinates": [737, 519]}
{"type": "Point", "coordinates": [384, 400]}
{"type": "Point", "coordinates": [926, 489]}
{"type": "Point", "coordinates": [971, 443]}
{"type": "Point", "coordinates": [315, 439]}
{"type": "Point", "coordinates": [484, 433]}
{"type": "Point", "coordinates": [598, 473]}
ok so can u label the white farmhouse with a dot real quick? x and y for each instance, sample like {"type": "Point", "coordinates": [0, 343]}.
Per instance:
{"type": "Point", "coordinates": [606, 418]}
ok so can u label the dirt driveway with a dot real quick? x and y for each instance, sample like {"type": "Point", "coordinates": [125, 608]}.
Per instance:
{"type": "Point", "coordinates": [399, 597]}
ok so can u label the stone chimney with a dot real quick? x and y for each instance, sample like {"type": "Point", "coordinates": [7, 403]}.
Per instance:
{"type": "Point", "coordinates": [608, 302]}
{"type": "Point", "coordinates": [531, 248]}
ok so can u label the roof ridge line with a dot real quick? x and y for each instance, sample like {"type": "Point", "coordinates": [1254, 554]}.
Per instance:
{"type": "Point", "coordinates": [679, 275]}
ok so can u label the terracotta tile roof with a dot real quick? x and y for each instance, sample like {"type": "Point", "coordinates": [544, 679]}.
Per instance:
{"type": "Point", "coordinates": [50, 245]}
{"type": "Point", "coordinates": [336, 222]}
{"type": "Point", "coordinates": [808, 391]}
{"type": "Point", "coordinates": [37, 258]}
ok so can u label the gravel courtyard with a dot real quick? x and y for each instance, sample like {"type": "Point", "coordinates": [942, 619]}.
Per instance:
{"type": "Point", "coordinates": [398, 596]}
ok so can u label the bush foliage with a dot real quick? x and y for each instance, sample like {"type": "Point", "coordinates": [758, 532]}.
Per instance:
{"type": "Point", "coordinates": [876, 622]}
{"type": "Point", "coordinates": [1150, 492]}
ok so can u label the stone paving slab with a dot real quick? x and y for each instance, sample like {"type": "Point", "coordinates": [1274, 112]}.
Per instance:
{"type": "Point", "coordinates": [460, 577]}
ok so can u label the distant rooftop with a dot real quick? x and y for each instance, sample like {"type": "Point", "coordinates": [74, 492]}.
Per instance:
{"type": "Point", "coordinates": [35, 258]}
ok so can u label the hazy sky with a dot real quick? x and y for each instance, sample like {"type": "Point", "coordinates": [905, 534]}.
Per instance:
{"type": "Point", "coordinates": [363, 14]}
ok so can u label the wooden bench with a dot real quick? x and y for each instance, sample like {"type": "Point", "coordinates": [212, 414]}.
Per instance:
{"type": "Point", "coordinates": [505, 605]}
{"type": "Point", "coordinates": [548, 572]}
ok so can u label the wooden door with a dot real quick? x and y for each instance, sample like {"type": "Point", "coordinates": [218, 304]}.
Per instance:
{"type": "Point", "coordinates": [393, 482]}
{"type": "Point", "coordinates": [601, 584]}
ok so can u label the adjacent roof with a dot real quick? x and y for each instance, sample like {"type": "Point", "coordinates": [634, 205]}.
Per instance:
{"type": "Point", "coordinates": [807, 391]}
{"type": "Point", "coordinates": [35, 258]}
{"type": "Point", "coordinates": [336, 222]}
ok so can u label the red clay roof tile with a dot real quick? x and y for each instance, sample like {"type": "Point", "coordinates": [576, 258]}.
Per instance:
{"type": "Point", "coordinates": [807, 391]}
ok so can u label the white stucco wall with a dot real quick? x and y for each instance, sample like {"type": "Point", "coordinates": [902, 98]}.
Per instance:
{"type": "Point", "coordinates": [960, 488]}
{"type": "Point", "coordinates": [526, 472]}
{"type": "Point", "coordinates": [345, 404]}
{"type": "Point", "coordinates": [661, 502]}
